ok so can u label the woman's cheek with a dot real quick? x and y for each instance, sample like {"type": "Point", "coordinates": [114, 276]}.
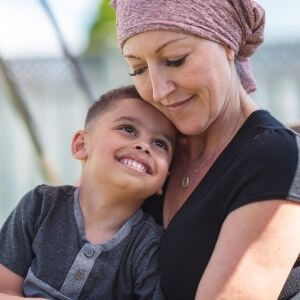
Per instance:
{"type": "Point", "coordinates": [144, 88]}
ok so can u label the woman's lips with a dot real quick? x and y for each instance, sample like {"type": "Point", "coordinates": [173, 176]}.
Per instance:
{"type": "Point", "coordinates": [178, 106]}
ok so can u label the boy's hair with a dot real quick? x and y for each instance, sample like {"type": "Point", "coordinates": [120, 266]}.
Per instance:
{"type": "Point", "coordinates": [109, 98]}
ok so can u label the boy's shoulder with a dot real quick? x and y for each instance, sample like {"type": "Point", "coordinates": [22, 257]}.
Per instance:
{"type": "Point", "coordinates": [44, 198]}
{"type": "Point", "coordinates": [47, 192]}
{"type": "Point", "coordinates": [51, 190]}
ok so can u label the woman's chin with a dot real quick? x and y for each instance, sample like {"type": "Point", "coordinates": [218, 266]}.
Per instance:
{"type": "Point", "coordinates": [189, 129]}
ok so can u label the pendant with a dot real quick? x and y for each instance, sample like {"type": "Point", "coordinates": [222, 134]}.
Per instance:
{"type": "Point", "coordinates": [185, 182]}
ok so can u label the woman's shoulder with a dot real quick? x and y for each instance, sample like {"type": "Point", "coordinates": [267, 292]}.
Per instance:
{"type": "Point", "coordinates": [267, 164]}
{"type": "Point", "coordinates": [268, 139]}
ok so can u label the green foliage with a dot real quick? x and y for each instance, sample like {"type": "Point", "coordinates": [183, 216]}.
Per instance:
{"type": "Point", "coordinates": [102, 34]}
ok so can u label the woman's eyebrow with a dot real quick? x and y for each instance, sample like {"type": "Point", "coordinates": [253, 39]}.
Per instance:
{"type": "Point", "coordinates": [167, 43]}
{"type": "Point", "coordinates": [158, 49]}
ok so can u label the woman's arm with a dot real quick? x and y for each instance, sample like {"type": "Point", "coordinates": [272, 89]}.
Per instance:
{"type": "Point", "coordinates": [10, 297]}
{"type": "Point", "coordinates": [256, 249]}
{"type": "Point", "coordinates": [11, 285]}
{"type": "Point", "coordinates": [10, 282]}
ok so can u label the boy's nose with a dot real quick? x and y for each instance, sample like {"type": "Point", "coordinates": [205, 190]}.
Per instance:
{"type": "Point", "coordinates": [143, 148]}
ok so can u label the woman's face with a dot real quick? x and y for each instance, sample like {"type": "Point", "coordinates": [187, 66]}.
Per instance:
{"type": "Point", "coordinates": [185, 77]}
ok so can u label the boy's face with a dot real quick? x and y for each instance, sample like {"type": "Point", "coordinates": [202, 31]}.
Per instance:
{"type": "Point", "coordinates": [130, 146]}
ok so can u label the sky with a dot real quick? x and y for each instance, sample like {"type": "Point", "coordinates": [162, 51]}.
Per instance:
{"type": "Point", "coordinates": [26, 32]}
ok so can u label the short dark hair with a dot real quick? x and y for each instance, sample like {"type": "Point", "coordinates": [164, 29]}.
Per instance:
{"type": "Point", "coordinates": [107, 99]}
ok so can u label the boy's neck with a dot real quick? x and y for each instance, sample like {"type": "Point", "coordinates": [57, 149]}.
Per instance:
{"type": "Point", "coordinates": [105, 212]}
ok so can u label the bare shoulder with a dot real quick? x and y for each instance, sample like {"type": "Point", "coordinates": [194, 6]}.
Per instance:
{"type": "Point", "coordinates": [256, 249]}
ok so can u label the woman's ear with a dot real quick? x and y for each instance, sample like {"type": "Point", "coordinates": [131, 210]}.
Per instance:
{"type": "Point", "coordinates": [78, 145]}
{"type": "Point", "coordinates": [229, 54]}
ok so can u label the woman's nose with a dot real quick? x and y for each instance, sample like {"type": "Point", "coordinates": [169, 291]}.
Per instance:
{"type": "Point", "coordinates": [161, 85]}
{"type": "Point", "coordinates": [143, 147]}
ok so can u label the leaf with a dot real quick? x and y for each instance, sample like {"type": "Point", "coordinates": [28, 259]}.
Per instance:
{"type": "Point", "coordinates": [103, 33]}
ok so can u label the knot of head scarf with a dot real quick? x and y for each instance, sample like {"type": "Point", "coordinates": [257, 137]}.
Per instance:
{"type": "Point", "coordinates": [238, 24]}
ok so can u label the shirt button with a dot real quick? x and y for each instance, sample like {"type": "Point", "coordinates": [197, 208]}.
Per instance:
{"type": "Point", "coordinates": [79, 274]}
{"type": "Point", "coordinates": [88, 252]}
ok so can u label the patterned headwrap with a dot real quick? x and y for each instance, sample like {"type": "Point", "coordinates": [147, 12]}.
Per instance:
{"type": "Point", "coordinates": [236, 23]}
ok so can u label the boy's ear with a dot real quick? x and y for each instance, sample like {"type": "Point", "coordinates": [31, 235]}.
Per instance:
{"type": "Point", "coordinates": [161, 191]}
{"type": "Point", "coordinates": [78, 145]}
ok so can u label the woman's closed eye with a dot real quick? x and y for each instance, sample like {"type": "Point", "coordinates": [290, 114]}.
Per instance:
{"type": "Point", "coordinates": [168, 62]}
{"type": "Point", "coordinates": [138, 71]}
{"type": "Point", "coordinates": [176, 62]}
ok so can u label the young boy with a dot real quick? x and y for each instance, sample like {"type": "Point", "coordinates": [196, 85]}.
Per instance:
{"type": "Point", "coordinates": [93, 242]}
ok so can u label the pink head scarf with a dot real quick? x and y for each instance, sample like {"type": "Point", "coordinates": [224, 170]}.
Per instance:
{"type": "Point", "coordinates": [236, 23]}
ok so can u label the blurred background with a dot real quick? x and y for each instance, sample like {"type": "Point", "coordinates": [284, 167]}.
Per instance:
{"type": "Point", "coordinates": [57, 56]}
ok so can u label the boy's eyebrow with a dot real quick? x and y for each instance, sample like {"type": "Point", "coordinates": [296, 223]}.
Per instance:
{"type": "Point", "coordinates": [137, 121]}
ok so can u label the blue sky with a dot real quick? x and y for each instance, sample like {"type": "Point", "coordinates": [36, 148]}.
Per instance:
{"type": "Point", "coordinates": [25, 30]}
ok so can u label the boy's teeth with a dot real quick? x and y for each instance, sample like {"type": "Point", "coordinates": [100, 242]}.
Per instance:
{"type": "Point", "coordinates": [134, 164]}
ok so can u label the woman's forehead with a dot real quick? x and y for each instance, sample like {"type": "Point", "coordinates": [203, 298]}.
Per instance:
{"type": "Point", "coordinates": [153, 38]}
{"type": "Point", "coordinates": [156, 41]}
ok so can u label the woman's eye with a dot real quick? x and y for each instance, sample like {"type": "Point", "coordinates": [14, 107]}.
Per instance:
{"type": "Point", "coordinates": [161, 144]}
{"type": "Point", "coordinates": [177, 62]}
{"type": "Point", "coordinates": [128, 129]}
{"type": "Point", "coordinates": [138, 71]}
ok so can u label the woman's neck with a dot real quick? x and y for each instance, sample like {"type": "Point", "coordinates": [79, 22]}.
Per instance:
{"type": "Point", "coordinates": [222, 130]}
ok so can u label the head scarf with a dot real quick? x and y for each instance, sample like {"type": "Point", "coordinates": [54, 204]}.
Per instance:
{"type": "Point", "coordinates": [238, 24]}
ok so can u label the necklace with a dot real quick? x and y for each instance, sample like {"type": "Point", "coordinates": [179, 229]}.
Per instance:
{"type": "Point", "coordinates": [186, 180]}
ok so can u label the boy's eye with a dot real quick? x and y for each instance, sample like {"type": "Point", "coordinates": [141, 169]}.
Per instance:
{"type": "Point", "coordinates": [128, 129]}
{"type": "Point", "coordinates": [138, 71]}
{"type": "Point", "coordinates": [161, 144]}
{"type": "Point", "coordinates": [176, 62]}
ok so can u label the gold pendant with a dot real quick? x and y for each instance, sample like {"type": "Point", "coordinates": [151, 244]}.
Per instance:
{"type": "Point", "coordinates": [185, 182]}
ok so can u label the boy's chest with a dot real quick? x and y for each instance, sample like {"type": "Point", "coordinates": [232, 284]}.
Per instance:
{"type": "Point", "coordinates": [67, 268]}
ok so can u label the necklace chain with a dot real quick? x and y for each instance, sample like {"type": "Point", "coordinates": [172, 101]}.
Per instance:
{"type": "Point", "coordinates": [186, 180]}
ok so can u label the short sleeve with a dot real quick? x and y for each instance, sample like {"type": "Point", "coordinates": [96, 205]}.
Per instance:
{"type": "Point", "coordinates": [17, 234]}
{"type": "Point", "coordinates": [146, 272]}
{"type": "Point", "coordinates": [145, 260]}
{"type": "Point", "coordinates": [269, 169]}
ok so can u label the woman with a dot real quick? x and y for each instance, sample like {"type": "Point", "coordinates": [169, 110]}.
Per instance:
{"type": "Point", "coordinates": [231, 207]}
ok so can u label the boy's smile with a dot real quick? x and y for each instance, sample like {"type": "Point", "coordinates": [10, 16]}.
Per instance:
{"type": "Point", "coordinates": [136, 163]}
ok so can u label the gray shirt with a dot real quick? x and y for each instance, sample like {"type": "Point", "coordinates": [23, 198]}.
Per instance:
{"type": "Point", "coordinates": [43, 240]}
